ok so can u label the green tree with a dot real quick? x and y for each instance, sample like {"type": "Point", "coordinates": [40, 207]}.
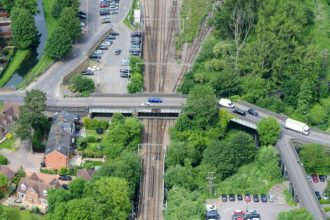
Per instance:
{"type": "Point", "coordinates": [268, 130]}
{"type": "Point", "coordinates": [267, 162]}
{"type": "Point", "coordinates": [3, 183]}
{"type": "Point", "coordinates": [295, 214]}
{"type": "Point", "coordinates": [58, 44]}
{"type": "Point", "coordinates": [56, 197]}
{"type": "Point", "coordinates": [136, 83]}
{"type": "Point", "coordinates": [202, 106]}
{"type": "Point", "coordinates": [314, 158]}
{"type": "Point", "coordinates": [23, 28]}
{"type": "Point", "coordinates": [7, 4]}
{"type": "Point", "coordinates": [183, 204]}
{"type": "Point", "coordinates": [112, 193]}
{"type": "Point", "coordinates": [306, 96]}
{"type": "Point", "coordinates": [70, 22]}
{"type": "Point", "coordinates": [30, 5]}
{"type": "Point", "coordinates": [82, 84]}
{"type": "Point", "coordinates": [181, 176]}
{"type": "Point", "coordinates": [179, 151]}
{"type": "Point", "coordinates": [318, 115]}
{"type": "Point", "coordinates": [3, 214]}
{"type": "Point", "coordinates": [59, 5]}
{"type": "Point", "coordinates": [226, 84]}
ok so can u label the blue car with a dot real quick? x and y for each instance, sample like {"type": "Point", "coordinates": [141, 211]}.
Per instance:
{"type": "Point", "coordinates": [155, 100]}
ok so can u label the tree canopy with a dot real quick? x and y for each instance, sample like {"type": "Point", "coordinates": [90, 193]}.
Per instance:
{"type": "Point", "coordinates": [58, 44]}
{"type": "Point", "coordinates": [70, 22]}
{"type": "Point", "coordinates": [268, 130]}
{"type": "Point", "coordinates": [295, 214]}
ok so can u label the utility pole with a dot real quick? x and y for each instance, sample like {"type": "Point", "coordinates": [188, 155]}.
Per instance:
{"type": "Point", "coordinates": [210, 177]}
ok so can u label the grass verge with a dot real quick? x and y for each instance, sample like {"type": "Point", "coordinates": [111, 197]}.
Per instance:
{"type": "Point", "coordinates": [16, 214]}
{"type": "Point", "coordinates": [44, 61]}
{"type": "Point", "coordinates": [8, 144]}
{"type": "Point", "coordinates": [288, 198]}
{"type": "Point", "coordinates": [13, 65]}
{"type": "Point", "coordinates": [129, 19]}
{"type": "Point", "coordinates": [326, 209]}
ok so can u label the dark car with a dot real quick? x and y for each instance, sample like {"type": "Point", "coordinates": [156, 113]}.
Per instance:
{"type": "Point", "coordinates": [125, 71]}
{"type": "Point", "coordinates": [247, 197]}
{"type": "Point", "coordinates": [114, 33]}
{"type": "Point", "coordinates": [117, 52]}
{"type": "Point", "coordinates": [263, 198]}
{"type": "Point", "coordinates": [322, 178]}
{"type": "Point", "coordinates": [155, 100]}
{"type": "Point", "coordinates": [95, 57]}
{"type": "Point", "coordinates": [318, 195]}
{"type": "Point", "coordinates": [239, 112]}
{"type": "Point", "coordinates": [136, 34]}
{"type": "Point", "coordinates": [77, 118]}
{"type": "Point", "coordinates": [65, 178]}
{"type": "Point", "coordinates": [315, 178]}
{"type": "Point", "coordinates": [239, 197]}
{"type": "Point", "coordinates": [252, 112]}
{"type": "Point", "coordinates": [65, 186]}
{"type": "Point", "coordinates": [256, 198]}
{"type": "Point", "coordinates": [224, 197]}
{"type": "Point", "coordinates": [87, 72]}
{"type": "Point", "coordinates": [231, 197]}
{"type": "Point", "coordinates": [125, 75]}
{"type": "Point", "coordinates": [111, 37]}
{"type": "Point", "coordinates": [103, 48]}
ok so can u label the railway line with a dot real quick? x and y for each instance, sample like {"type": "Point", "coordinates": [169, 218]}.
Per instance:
{"type": "Point", "coordinates": [152, 154]}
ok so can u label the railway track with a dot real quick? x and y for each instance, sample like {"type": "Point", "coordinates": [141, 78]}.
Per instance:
{"type": "Point", "coordinates": [152, 179]}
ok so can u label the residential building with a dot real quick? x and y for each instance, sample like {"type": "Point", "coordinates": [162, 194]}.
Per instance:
{"type": "Point", "coordinates": [86, 174]}
{"type": "Point", "coordinates": [60, 139]}
{"type": "Point", "coordinates": [9, 173]}
{"type": "Point", "coordinates": [8, 116]}
{"type": "Point", "coordinates": [33, 189]}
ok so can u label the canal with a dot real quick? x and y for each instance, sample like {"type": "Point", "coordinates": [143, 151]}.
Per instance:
{"type": "Point", "coordinates": [35, 55]}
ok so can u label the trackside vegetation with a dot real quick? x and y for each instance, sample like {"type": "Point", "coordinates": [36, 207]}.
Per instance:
{"type": "Point", "coordinates": [136, 82]}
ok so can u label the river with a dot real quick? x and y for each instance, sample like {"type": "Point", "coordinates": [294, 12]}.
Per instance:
{"type": "Point", "coordinates": [34, 56]}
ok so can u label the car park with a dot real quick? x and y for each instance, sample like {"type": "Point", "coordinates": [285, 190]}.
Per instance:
{"type": "Point", "coordinates": [239, 197]}
{"type": "Point", "coordinates": [252, 112]}
{"type": "Point", "coordinates": [322, 178]}
{"type": "Point", "coordinates": [247, 197]}
{"type": "Point", "coordinates": [315, 178]}
{"type": "Point", "coordinates": [255, 198]}
{"type": "Point", "coordinates": [155, 100]}
{"type": "Point", "coordinates": [232, 197]}
{"type": "Point", "coordinates": [263, 198]}
{"type": "Point", "coordinates": [224, 197]}
{"type": "Point", "coordinates": [239, 111]}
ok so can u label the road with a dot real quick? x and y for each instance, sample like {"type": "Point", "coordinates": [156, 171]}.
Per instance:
{"type": "Point", "coordinates": [51, 80]}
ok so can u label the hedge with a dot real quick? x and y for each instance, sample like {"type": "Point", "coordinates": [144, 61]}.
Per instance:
{"type": "Point", "coordinates": [94, 124]}
{"type": "Point", "coordinates": [3, 160]}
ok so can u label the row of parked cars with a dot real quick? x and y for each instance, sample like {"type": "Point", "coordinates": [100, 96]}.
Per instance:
{"type": "Point", "coordinates": [107, 42]}
{"type": "Point", "coordinates": [136, 43]}
{"type": "Point", "coordinates": [246, 215]}
{"type": "Point", "coordinates": [107, 8]}
{"type": "Point", "coordinates": [247, 197]}
{"type": "Point", "coordinates": [125, 69]}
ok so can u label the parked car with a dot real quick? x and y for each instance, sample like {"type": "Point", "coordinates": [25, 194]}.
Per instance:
{"type": "Point", "coordinates": [318, 195]}
{"type": "Point", "coordinates": [325, 196]}
{"type": "Point", "coordinates": [231, 197]}
{"type": "Point", "coordinates": [125, 75]}
{"type": "Point", "coordinates": [136, 34]}
{"type": "Point", "coordinates": [239, 111]}
{"type": "Point", "coordinates": [239, 197]}
{"type": "Point", "coordinates": [315, 178]}
{"type": "Point", "coordinates": [106, 43]}
{"type": "Point", "coordinates": [270, 198]}
{"type": "Point", "coordinates": [247, 197]}
{"type": "Point", "coordinates": [125, 62]}
{"type": "Point", "coordinates": [76, 118]}
{"type": "Point", "coordinates": [255, 198]}
{"type": "Point", "coordinates": [87, 72]}
{"type": "Point", "coordinates": [65, 186]}
{"type": "Point", "coordinates": [106, 21]}
{"type": "Point", "coordinates": [125, 71]}
{"type": "Point", "coordinates": [98, 52]}
{"type": "Point", "coordinates": [95, 57]}
{"type": "Point", "coordinates": [117, 52]}
{"type": "Point", "coordinates": [93, 68]}
{"type": "Point", "coordinates": [155, 100]}
{"type": "Point", "coordinates": [252, 112]}
{"type": "Point", "coordinates": [224, 197]}
{"type": "Point", "coordinates": [82, 15]}
{"type": "Point", "coordinates": [114, 33]}
{"type": "Point", "coordinates": [263, 198]}
{"type": "Point", "coordinates": [309, 178]}
{"type": "Point", "coordinates": [65, 178]}
{"type": "Point", "coordinates": [323, 178]}
{"type": "Point", "coordinates": [111, 37]}
{"type": "Point", "coordinates": [103, 48]}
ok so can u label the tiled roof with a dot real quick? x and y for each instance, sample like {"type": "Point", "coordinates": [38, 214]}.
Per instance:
{"type": "Point", "coordinates": [59, 138]}
{"type": "Point", "coordinates": [85, 174]}
{"type": "Point", "coordinates": [7, 172]}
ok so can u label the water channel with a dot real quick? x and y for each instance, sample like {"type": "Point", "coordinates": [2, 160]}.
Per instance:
{"type": "Point", "coordinates": [35, 55]}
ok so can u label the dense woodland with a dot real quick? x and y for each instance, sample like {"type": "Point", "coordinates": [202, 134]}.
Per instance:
{"type": "Point", "coordinates": [268, 53]}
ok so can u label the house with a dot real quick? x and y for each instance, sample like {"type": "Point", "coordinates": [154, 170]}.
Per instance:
{"type": "Point", "coordinates": [60, 139]}
{"type": "Point", "coordinates": [86, 174]}
{"type": "Point", "coordinates": [8, 116]}
{"type": "Point", "coordinates": [33, 189]}
{"type": "Point", "coordinates": [9, 173]}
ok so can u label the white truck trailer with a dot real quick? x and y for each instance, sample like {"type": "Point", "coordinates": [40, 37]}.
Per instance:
{"type": "Point", "coordinates": [297, 126]}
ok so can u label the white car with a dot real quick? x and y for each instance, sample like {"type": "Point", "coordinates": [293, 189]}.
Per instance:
{"type": "Point", "coordinates": [93, 68]}
{"type": "Point", "coordinates": [226, 103]}
{"type": "Point", "coordinates": [270, 198]}
{"type": "Point", "coordinates": [106, 43]}
{"type": "Point", "coordinates": [125, 62]}
{"type": "Point", "coordinates": [325, 196]}
{"type": "Point", "coordinates": [98, 52]}
{"type": "Point", "coordinates": [210, 208]}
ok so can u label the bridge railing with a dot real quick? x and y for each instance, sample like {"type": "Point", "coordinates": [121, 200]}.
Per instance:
{"type": "Point", "coordinates": [178, 95]}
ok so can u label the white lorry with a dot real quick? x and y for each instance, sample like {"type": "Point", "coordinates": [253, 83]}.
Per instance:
{"type": "Point", "coordinates": [226, 103]}
{"type": "Point", "coordinates": [297, 126]}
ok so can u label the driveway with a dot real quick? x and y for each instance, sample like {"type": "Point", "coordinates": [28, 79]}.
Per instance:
{"type": "Point", "coordinates": [22, 157]}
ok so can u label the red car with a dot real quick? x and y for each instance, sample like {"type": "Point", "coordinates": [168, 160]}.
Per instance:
{"type": "Point", "coordinates": [315, 178]}
{"type": "Point", "coordinates": [247, 197]}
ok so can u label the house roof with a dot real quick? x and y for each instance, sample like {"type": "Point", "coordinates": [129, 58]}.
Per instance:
{"type": "Point", "coordinates": [7, 172]}
{"type": "Point", "coordinates": [10, 108]}
{"type": "Point", "coordinates": [59, 138]}
{"type": "Point", "coordinates": [85, 174]}
{"type": "Point", "coordinates": [38, 184]}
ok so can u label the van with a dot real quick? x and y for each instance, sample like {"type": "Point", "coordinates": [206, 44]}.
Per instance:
{"type": "Point", "coordinates": [226, 103]}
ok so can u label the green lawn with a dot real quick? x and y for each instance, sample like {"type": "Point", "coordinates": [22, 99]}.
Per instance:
{"type": "Point", "coordinates": [16, 214]}
{"type": "Point", "coordinates": [8, 144]}
{"type": "Point", "coordinates": [13, 65]}
{"type": "Point", "coordinates": [44, 61]}
{"type": "Point", "coordinates": [93, 133]}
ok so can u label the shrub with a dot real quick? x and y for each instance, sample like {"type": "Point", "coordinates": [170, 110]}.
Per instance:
{"type": "Point", "coordinates": [64, 171]}
{"type": "Point", "coordinates": [94, 124]}
{"type": "Point", "coordinates": [9, 136]}
{"type": "Point", "coordinates": [48, 171]}
{"type": "Point", "coordinates": [82, 84]}
{"type": "Point", "coordinates": [3, 160]}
